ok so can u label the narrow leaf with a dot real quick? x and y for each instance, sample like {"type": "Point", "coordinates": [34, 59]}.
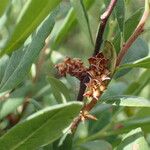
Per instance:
{"type": "Point", "coordinates": [69, 22]}
{"type": "Point", "coordinates": [40, 128]}
{"type": "Point", "coordinates": [21, 60]}
{"type": "Point", "coordinates": [134, 140]}
{"type": "Point", "coordinates": [3, 6]}
{"type": "Point", "coordinates": [33, 13]}
{"type": "Point", "coordinates": [137, 51]}
{"type": "Point", "coordinates": [129, 27]}
{"type": "Point", "coordinates": [59, 87]}
{"type": "Point", "coordinates": [3, 64]}
{"type": "Point", "coordinates": [110, 53]}
{"type": "Point", "coordinates": [137, 86]}
{"type": "Point", "coordinates": [14, 101]}
{"type": "Point", "coordinates": [120, 14]}
{"type": "Point", "coordinates": [142, 63]}
{"type": "Point", "coordinates": [96, 145]}
{"type": "Point", "coordinates": [82, 17]}
{"type": "Point", "coordinates": [130, 101]}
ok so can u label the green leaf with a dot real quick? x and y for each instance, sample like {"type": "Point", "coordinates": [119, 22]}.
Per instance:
{"type": "Point", "coordinates": [65, 27]}
{"type": "Point", "coordinates": [120, 14]}
{"type": "Point", "coordinates": [68, 23]}
{"type": "Point", "coordinates": [130, 25]}
{"type": "Point", "coordinates": [114, 89]}
{"type": "Point", "coordinates": [134, 140]}
{"type": "Point", "coordinates": [14, 101]}
{"type": "Point", "coordinates": [130, 101]}
{"type": "Point", "coordinates": [3, 64]}
{"type": "Point", "coordinates": [110, 53]}
{"type": "Point", "coordinates": [143, 118]}
{"type": "Point", "coordinates": [142, 63]}
{"type": "Point", "coordinates": [129, 124]}
{"type": "Point", "coordinates": [40, 128]}
{"type": "Point", "coordinates": [133, 123]}
{"type": "Point", "coordinates": [96, 145]}
{"type": "Point", "coordinates": [21, 60]}
{"type": "Point", "coordinates": [3, 6]}
{"type": "Point", "coordinates": [33, 13]}
{"type": "Point", "coordinates": [138, 50]}
{"type": "Point", "coordinates": [137, 86]}
{"type": "Point", "coordinates": [82, 18]}
{"type": "Point", "coordinates": [65, 143]}
{"type": "Point", "coordinates": [10, 106]}
{"type": "Point", "coordinates": [59, 88]}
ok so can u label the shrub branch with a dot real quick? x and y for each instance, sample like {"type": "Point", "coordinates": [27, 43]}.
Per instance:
{"type": "Point", "coordinates": [139, 29]}
{"type": "Point", "coordinates": [104, 18]}
{"type": "Point", "coordinates": [84, 113]}
{"type": "Point", "coordinates": [99, 39]}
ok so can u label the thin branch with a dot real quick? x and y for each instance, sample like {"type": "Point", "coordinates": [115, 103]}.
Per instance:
{"type": "Point", "coordinates": [86, 108]}
{"type": "Point", "coordinates": [139, 29]}
{"type": "Point", "coordinates": [84, 114]}
{"type": "Point", "coordinates": [104, 17]}
{"type": "Point", "coordinates": [82, 88]}
{"type": "Point", "coordinates": [99, 39]}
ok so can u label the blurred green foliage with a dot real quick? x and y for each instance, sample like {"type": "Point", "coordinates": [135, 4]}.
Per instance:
{"type": "Point", "coordinates": [37, 105]}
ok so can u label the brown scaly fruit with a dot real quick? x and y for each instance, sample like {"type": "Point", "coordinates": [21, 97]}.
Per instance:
{"type": "Point", "coordinates": [98, 74]}
{"type": "Point", "coordinates": [72, 66]}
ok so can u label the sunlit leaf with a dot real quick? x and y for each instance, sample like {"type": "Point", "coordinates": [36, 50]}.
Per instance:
{"type": "Point", "coordinates": [40, 128]}
{"type": "Point", "coordinates": [82, 17]}
{"type": "Point", "coordinates": [31, 16]}
{"type": "Point", "coordinates": [134, 140]}
{"type": "Point", "coordinates": [21, 60]}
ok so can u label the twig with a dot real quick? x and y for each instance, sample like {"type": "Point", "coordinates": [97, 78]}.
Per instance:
{"type": "Point", "coordinates": [82, 88]}
{"type": "Point", "coordinates": [99, 39]}
{"type": "Point", "coordinates": [123, 51]}
{"type": "Point", "coordinates": [139, 29]}
{"type": "Point", "coordinates": [104, 17]}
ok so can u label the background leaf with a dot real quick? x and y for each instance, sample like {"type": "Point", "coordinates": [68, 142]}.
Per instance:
{"type": "Point", "coordinates": [96, 145]}
{"type": "Point", "coordinates": [3, 64]}
{"type": "Point", "coordinates": [41, 128]}
{"type": "Point", "coordinates": [69, 22]}
{"type": "Point", "coordinates": [3, 6]}
{"type": "Point", "coordinates": [21, 60]}
{"type": "Point", "coordinates": [14, 101]}
{"type": "Point", "coordinates": [142, 63]}
{"type": "Point", "coordinates": [134, 140]}
{"type": "Point", "coordinates": [34, 11]}
{"type": "Point", "coordinates": [130, 101]}
{"type": "Point", "coordinates": [82, 17]}
{"type": "Point", "coordinates": [60, 88]}
{"type": "Point", "coordinates": [120, 14]}
{"type": "Point", "coordinates": [130, 25]}
{"type": "Point", "coordinates": [137, 85]}
{"type": "Point", "coordinates": [110, 53]}
{"type": "Point", "coordinates": [138, 50]}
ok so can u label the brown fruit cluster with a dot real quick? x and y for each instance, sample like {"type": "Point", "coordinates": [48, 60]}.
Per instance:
{"type": "Point", "coordinates": [99, 75]}
{"type": "Point", "coordinates": [97, 72]}
{"type": "Point", "coordinates": [72, 66]}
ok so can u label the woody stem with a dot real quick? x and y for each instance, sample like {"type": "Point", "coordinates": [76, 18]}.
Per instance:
{"type": "Point", "coordinates": [99, 39]}
{"type": "Point", "coordinates": [139, 29]}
